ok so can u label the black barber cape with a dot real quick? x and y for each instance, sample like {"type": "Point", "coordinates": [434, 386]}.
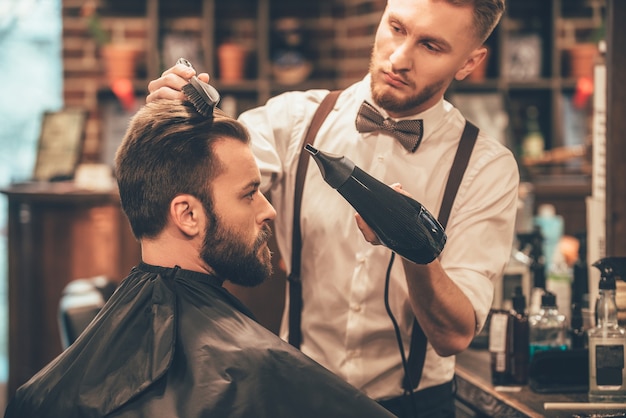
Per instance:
{"type": "Point", "coordinates": [175, 343]}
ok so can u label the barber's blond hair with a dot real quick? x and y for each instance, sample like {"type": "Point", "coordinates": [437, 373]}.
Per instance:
{"type": "Point", "coordinates": [487, 14]}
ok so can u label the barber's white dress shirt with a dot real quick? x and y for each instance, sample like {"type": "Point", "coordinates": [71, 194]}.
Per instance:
{"type": "Point", "coordinates": [344, 323]}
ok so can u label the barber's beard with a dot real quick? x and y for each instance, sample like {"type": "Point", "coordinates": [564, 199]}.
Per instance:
{"type": "Point", "coordinates": [234, 260]}
{"type": "Point", "coordinates": [387, 98]}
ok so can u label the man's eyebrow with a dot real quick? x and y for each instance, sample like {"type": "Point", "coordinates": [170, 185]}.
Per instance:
{"type": "Point", "coordinates": [253, 185]}
{"type": "Point", "coordinates": [400, 20]}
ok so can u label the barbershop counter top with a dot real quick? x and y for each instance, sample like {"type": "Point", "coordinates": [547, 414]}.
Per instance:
{"type": "Point", "coordinates": [474, 390]}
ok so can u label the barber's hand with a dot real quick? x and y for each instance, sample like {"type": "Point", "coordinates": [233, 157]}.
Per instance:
{"type": "Point", "coordinates": [169, 85]}
{"type": "Point", "coordinates": [368, 233]}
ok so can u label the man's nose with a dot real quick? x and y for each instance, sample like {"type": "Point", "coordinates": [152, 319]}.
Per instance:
{"type": "Point", "coordinates": [268, 213]}
{"type": "Point", "coordinates": [402, 57]}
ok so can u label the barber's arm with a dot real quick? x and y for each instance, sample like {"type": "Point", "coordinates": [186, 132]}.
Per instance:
{"type": "Point", "coordinates": [442, 309]}
{"type": "Point", "coordinates": [444, 312]}
{"type": "Point", "coordinates": [452, 295]}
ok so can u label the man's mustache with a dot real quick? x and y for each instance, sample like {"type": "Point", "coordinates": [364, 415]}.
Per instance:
{"type": "Point", "coordinates": [264, 236]}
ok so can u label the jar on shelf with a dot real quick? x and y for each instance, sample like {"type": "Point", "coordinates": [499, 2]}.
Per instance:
{"type": "Point", "coordinates": [291, 63]}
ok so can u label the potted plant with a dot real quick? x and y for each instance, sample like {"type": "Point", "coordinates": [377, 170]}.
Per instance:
{"type": "Point", "coordinates": [119, 56]}
{"type": "Point", "coordinates": [583, 54]}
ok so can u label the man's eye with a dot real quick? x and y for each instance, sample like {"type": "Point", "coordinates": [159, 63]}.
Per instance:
{"type": "Point", "coordinates": [431, 47]}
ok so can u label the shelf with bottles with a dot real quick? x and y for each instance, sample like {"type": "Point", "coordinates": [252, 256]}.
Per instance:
{"type": "Point", "coordinates": [530, 64]}
{"type": "Point", "coordinates": [236, 43]}
{"type": "Point", "coordinates": [519, 50]}
{"type": "Point", "coordinates": [533, 41]}
{"type": "Point", "coordinates": [550, 142]}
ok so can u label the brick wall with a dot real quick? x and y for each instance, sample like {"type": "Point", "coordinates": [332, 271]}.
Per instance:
{"type": "Point", "coordinates": [84, 80]}
{"type": "Point", "coordinates": [354, 38]}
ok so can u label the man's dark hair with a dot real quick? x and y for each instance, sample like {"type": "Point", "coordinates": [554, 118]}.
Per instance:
{"type": "Point", "coordinates": [167, 151]}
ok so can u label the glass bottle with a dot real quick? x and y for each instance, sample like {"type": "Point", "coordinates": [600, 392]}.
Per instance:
{"type": "Point", "coordinates": [499, 347]}
{"type": "Point", "coordinates": [607, 343]}
{"type": "Point", "coordinates": [519, 339]}
{"type": "Point", "coordinates": [533, 144]}
{"type": "Point", "coordinates": [547, 327]}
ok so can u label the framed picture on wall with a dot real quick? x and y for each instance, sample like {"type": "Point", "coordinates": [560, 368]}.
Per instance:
{"type": "Point", "coordinates": [523, 57]}
{"type": "Point", "coordinates": [60, 144]}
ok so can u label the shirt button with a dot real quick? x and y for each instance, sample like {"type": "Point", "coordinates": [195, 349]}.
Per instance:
{"type": "Point", "coordinates": [356, 308]}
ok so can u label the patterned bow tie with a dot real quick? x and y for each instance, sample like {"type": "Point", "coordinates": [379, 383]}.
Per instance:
{"type": "Point", "coordinates": [407, 132]}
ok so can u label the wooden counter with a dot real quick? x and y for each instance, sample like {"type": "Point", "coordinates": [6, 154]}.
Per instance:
{"type": "Point", "coordinates": [474, 390]}
{"type": "Point", "coordinates": [57, 233]}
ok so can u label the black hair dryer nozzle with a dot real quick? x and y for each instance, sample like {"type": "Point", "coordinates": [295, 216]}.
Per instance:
{"type": "Point", "coordinates": [402, 224]}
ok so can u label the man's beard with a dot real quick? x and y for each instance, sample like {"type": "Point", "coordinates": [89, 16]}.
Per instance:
{"type": "Point", "coordinates": [387, 100]}
{"type": "Point", "coordinates": [232, 259]}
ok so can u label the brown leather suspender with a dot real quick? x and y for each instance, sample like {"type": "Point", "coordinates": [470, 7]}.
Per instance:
{"type": "Point", "coordinates": [295, 286]}
{"type": "Point", "coordinates": [417, 351]}
{"type": "Point", "coordinates": [463, 153]}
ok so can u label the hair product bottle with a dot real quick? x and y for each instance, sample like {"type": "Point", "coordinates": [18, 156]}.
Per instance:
{"type": "Point", "coordinates": [508, 343]}
{"type": "Point", "coordinates": [547, 327]}
{"type": "Point", "coordinates": [519, 339]}
{"type": "Point", "coordinates": [607, 340]}
{"type": "Point", "coordinates": [500, 347]}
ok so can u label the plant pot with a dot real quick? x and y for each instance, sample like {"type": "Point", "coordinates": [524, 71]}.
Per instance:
{"type": "Point", "coordinates": [581, 58]}
{"type": "Point", "coordinates": [232, 59]}
{"type": "Point", "coordinates": [119, 61]}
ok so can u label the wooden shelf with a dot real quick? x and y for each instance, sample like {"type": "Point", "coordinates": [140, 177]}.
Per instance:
{"type": "Point", "coordinates": [544, 30]}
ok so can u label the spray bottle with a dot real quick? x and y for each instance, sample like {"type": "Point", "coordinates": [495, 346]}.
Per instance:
{"type": "Point", "coordinates": [607, 340]}
{"type": "Point", "coordinates": [401, 223]}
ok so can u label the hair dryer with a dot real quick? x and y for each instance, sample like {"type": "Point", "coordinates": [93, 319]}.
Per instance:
{"type": "Point", "coordinates": [402, 224]}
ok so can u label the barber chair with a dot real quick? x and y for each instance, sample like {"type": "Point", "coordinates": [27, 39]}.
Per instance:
{"type": "Point", "coordinates": [80, 302]}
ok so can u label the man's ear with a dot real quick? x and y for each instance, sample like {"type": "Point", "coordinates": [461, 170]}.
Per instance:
{"type": "Point", "coordinates": [475, 58]}
{"type": "Point", "coordinates": [187, 213]}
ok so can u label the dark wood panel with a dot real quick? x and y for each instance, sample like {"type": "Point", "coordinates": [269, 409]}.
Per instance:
{"type": "Point", "coordinates": [57, 234]}
{"type": "Point", "coordinates": [616, 129]}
